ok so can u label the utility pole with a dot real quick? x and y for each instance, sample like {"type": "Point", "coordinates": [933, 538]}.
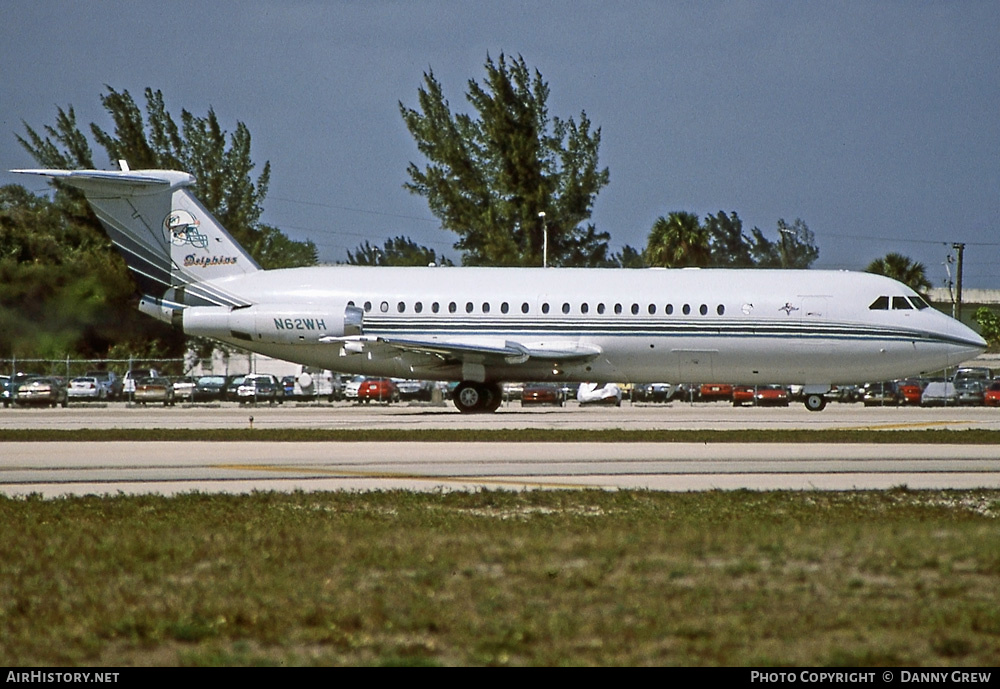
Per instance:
{"type": "Point", "coordinates": [545, 240]}
{"type": "Point", "coordinates": [957, 306]}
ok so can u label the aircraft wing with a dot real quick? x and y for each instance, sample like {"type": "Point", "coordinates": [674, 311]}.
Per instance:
{"type": "Point", "coordinates": [480, 351]}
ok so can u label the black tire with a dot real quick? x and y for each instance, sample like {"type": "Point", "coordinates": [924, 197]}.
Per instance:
{"type": "Point", "coordinates": [467, 397]}
{"type": "Point", "coordinates": [477, 398]}
{"type": "Point", "coordinates": [815, 402]}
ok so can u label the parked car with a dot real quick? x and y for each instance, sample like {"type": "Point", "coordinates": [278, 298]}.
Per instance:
{"type": "Point", "coordinates": [260, 387]}
{"type": "Point", "coordinates": [87, 388]}
{"type": "Point", "coordinates": [840, 393]}
{"type": "Point", "coordinates": [352, 386]}
{"type": "Point", "coordinates": [653, 392]}
{"type": "Point", "coordinates": [378, 390]}
{"type": "Point", "coordinates": [48, 390]}
{"type": "Point", "coordinates": [419, 390]}
{"type": "Point", "coordinates": [542, 393]}
{"type": "Point", "coordinates": [939, 393]}
{"type": "Point", "coordinates": [743, 394]}
{"type": "Point", "coordinates": [111, 382]}
{"type": "Point", "coordinates": [991, 398]}
{"type": "Point", "coordinates": [981, 373]}
{"type": "Point", "coordinates": [909, 391]}
{"type": "Point", "coordinates": [511, 391]}
{"type": "Point", "coordinates": [133, 375]}
{"type": "Point", "coordinates": [232, 385]}
{"type": "Point", "coordinates": [154, 389]}
{"type": "Point", "coordinates": [184, 388]}
{"type": "Point", "coordinates": [716, 391]}
{"type": "Point", "coordinates": [970, 392]}
{"type": "Point", "coordinates": [591, 394]}
{"type": "Point", "coordinates": [210, 388]}
{"type": "Point", "coordinates": [771, 396]}
{"type": "Point", "coordinates": [760, 395]}
{"type": "Point", "coordinates": [883, 394]}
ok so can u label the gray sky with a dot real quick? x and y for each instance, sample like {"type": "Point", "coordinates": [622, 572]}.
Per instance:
{"type": "Point", "coordinates": [876, 123]}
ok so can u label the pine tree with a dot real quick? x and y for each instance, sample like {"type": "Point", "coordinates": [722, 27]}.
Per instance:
{"type": "Point", "coordinates": [509, 177]}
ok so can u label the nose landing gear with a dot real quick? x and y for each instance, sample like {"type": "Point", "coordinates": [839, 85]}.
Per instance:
{"type": "Point", "coordinates": [815, 402]}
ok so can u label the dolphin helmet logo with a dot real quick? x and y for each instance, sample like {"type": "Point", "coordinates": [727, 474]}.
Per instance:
{"type": "Point", "coordinates": [181, 228]}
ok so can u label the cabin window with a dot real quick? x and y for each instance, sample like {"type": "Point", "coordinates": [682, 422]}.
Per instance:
{"type": "Point", "coordinates": [469, 307]}
{"type": "Point", "coordinates": [565, 308]}
{"type": "Point", "coordinates": [368, 306]}
{"type": "Point", "coordinates": [668, 309]}
{"type": "Point", "coordinates": [525, 308]}
{"type": "Point", "coordinates": [652, 309]}
{"type": "Point", "coordinates": [452, 307]}
{"type": "Point", "coordinates": [600, 308]}
{"type": "Point", "coordinates": [486, 307]}
{"type": "Point", "coordinates": [880, 304]}
{"type": "Point", "coordinates": [720, 309]}
{"type": "Point", "coordinates": [384, 307]}
{"type": "Point", "coordinates": [545, 307]}
{"type": "Point", "coordinates": [635, 309]}
{"type": "Point", "coordinates": [435, 307]}
{"type": "Point", "coordinates": [401, 307]}
{"type": "Point", "coordinates": [350, 303]}
{"type": "Point", "coordinates": [919, 302]}
{"type": "Point", "coordinates": [618, 308]}
{"type": "Point", "coordinates": [584, 308]}
{"type": "Point", "coordinates": [686, 309]}
{"type": "Point", "coordinates": [418, 307]}
{"type": "Point", "coordinates": [901, 303]}
{"type": "Point", "coordinates": [703, 310]}
{"type": "Point", "coordinates": [504, 307]}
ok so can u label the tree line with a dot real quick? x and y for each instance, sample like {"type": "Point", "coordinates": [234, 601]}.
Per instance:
{"type": "Point", "coordinates": [515, 185]}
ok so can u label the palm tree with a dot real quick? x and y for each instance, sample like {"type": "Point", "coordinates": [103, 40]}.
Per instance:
{"type": "Point", "coordinates": [902, 269]}
{"type": "Point", "coordinates": [678, 241]}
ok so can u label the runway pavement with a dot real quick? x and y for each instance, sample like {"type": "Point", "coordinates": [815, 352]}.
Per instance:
{"type": "Point", "coordinates": [342, 415]}
{"type": "Point", "coordinates": [66, 468]}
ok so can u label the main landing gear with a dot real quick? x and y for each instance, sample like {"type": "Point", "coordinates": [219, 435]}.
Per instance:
{"type": "Point", "coordinates": [477, 398]}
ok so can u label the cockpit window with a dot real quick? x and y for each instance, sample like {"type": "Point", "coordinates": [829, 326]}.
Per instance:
{"type": "Point", "coordinates": [919, 302]}
{"type": "Point", "coordinates": [901, 303]}
{"type": "Point", "coordinates": [880, 304]}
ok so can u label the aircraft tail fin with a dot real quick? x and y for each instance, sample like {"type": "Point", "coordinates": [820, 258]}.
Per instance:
{"type": "Point", "coordinates": [175, 248]}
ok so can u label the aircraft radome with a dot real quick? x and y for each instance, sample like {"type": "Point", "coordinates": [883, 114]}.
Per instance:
{"type": "Point", "coordinates": [484, 326]}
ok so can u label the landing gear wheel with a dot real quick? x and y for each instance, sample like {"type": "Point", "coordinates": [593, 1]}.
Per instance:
{"type": "Point", "coordinates": [815, 402]}
{"type": "Point", "coordinates": [495, 398]}
{"type": "Point", "coordinates": [477, 398]}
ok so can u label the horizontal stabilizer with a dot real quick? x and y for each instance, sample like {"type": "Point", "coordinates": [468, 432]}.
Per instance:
{"type": "Point", "coordinates": [175, 249]}
{"type": "Point", "coordinates": [86, 178]}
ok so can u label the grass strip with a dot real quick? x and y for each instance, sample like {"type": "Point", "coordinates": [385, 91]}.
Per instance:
{"type": "Point", "coordinates": [534, 435]}
{"type": "Point", "coordinates": [727, 578]}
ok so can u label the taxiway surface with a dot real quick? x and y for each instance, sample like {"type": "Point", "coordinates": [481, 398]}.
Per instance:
{"type": "Point", "coordinates": [74, 468]}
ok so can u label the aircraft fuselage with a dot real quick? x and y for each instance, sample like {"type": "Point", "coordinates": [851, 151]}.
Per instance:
{"type": "Point", "coordinates": [682, 326]}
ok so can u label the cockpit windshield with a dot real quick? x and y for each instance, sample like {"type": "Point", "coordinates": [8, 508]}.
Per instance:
{"type": "Point", "coordinates": [898, 303]}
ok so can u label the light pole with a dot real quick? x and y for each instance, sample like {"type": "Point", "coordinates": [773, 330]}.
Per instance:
{"type": "Point", "coordinates": [545, 240]}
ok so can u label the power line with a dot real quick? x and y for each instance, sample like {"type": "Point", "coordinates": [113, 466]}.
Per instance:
{"type": "Point", "coordinates": [905, 241]}
{"type": "Point", "coordinates": [349, 208]}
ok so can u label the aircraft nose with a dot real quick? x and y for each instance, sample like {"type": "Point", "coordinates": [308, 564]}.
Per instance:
{"type": "Point", "coordinates": [967, 340]}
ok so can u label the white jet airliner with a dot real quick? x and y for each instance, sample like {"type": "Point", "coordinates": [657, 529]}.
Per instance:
{"type": "Point", "coordinates": [483, 326]}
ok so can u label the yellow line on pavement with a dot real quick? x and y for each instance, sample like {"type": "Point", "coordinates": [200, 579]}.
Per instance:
{"type": "Point", "coordinates": [900, 426]}
{"type": "Point", "coordinates": [347, 473]}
